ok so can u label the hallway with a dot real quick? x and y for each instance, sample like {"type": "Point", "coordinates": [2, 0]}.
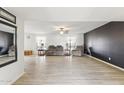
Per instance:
{"type": "Point", "coordinates": [60, 70]}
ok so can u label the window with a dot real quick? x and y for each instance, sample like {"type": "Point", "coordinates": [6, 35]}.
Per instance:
{"type": "Point", "coordinates": [41, 42]}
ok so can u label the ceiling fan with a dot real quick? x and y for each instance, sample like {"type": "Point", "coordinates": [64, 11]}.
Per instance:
{"type": "Point", "coordinates": [62, 30]}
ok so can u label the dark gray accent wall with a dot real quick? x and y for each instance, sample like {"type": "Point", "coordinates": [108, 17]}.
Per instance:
{"type": "Point", "coordinates": [106, 43]}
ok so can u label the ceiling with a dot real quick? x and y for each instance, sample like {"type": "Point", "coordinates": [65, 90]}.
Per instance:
{"type": "Point", "coordinates": [69, 13]}
{"type": "Point", "coordinates": [49, 27]}
{"type": "Point", "coordinates": [78, 19]}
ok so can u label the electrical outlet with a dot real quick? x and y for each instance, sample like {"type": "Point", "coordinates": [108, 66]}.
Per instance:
{"type": "Point", "coordinates": [109, 58]}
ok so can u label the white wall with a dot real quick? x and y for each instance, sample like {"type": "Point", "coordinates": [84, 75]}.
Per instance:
{"type": "Point", "coordinates": [51, 39]}
{"type": "Point", "coordinates": [62, 40]}
{"type": "Point", "coordinates": [29, 41]}
{"type": "Point", "coordinates": [11, 72]}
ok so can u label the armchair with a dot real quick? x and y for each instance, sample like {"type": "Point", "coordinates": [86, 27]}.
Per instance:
{"type": "Point", "coordinates": [79, 51]}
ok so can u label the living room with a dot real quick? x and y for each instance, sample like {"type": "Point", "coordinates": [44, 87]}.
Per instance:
{"type": "Point", "coordinates": [47, 38]}
{"type": "Point", "coordinates": [60, 48]}
{"type": "Point", "coordinates": [74, 45]}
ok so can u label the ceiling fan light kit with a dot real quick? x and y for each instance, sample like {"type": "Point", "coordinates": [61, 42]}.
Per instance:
{"type": "Point", "coordinates": [62, 30]}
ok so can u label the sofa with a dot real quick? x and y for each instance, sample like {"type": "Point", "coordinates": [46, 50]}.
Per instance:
{"type": "Point", "coordinates": [55, 50]}
{"type": "Point", "coordinates": [59, 50]}
{"type": "Point", "coordinates": [51, 50]}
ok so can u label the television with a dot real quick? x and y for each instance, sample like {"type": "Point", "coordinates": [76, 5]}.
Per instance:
{"type": "Point", "coordinates": [8, 51]}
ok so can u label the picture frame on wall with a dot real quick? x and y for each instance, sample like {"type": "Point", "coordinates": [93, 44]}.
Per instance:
{"type": "Point", "coordinates": [7, 16]}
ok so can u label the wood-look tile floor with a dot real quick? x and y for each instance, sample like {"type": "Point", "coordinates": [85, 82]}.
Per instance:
{"type": "Point", "coordinates": [62, 70]}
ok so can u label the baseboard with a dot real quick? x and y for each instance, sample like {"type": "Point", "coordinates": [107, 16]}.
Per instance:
{"type": "Point", "coordinates": [122, 69]}
{"type": "Point", "coordinates": [10, 83]}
